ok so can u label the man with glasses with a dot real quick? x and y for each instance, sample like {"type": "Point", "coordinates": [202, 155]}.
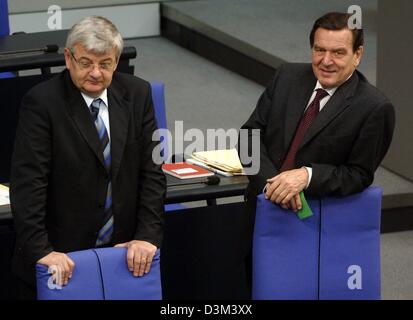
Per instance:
{"type": "Point", "coordinates": [82, 170]}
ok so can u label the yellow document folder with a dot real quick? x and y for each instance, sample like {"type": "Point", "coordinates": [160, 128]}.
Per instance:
{"type": "Point", "coordinates": [4, 195]}
{"type": "Point", "coordinates": [226, 160]}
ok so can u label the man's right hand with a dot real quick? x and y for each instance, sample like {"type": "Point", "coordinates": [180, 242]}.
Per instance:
{"type": "Point", "coordinates": [294, 204]}
{"type": "Point", "coordinates": [61, 263]}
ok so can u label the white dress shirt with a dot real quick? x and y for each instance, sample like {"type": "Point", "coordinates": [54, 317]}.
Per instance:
{"type": "Point", "coordinates": [323, 102]}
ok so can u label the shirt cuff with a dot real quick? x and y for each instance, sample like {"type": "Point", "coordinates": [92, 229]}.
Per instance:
{"type": "Point", "coordinates": [310, 174]}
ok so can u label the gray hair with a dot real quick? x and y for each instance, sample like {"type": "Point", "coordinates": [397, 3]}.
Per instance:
{"type": "Point", "coordinates": [96, 34]}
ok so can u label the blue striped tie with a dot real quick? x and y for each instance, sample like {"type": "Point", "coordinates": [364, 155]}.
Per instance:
{"type": "Point", "coordinates": [105, 232]}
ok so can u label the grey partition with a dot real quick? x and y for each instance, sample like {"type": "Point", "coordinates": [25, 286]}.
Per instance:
{"type": "Point", "coordinates": [20, 6]}
{"type": "Point", "coordinates": [394, 78]}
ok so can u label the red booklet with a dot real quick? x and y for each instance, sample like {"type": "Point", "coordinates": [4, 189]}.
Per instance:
{"type": "Point", "coordinates": [184, 170]}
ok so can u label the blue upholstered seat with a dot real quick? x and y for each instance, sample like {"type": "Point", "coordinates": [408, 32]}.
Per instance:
{"type": "Point", "coordinates": [334, 254]}
{"type": "Point", "coordinates": [158, 98]}
{"type": "Point", "coordinates": [4, 30]}
{"type": "Point", "coordinates": [101, 274]}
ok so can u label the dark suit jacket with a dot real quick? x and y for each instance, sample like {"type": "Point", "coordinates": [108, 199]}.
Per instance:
{"type": "Point", "coordinates": [58, 178]}
{"type": "Point", "coordinates": [344, 145]}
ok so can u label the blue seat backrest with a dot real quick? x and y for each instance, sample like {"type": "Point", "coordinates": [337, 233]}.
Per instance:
{"type": "Point", "coordinates": [285, 253]}
{"type": "Point", "coordinates": [4, 30]}
{"type": "Point", "coordinates": [158, 98]}
{"type": "Point", "coordinates": [350, 246]}
{"type": "Point", "coordinates": [120, 284]}
{"type": "Point", "coordinates": [334, 254]}
{"type": "Point", "coordinates": [102, 274]}
{"type": "Point", "coordinates": [86, 282]}
{"type": "Point", "coordinates": [4, 18]}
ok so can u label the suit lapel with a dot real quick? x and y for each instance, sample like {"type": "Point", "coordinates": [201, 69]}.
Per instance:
{"type": "Point", "coordinates": [119, 120]}
{"type": "Point", "coordinates": [337, 103]}
{"type": "Point", "coordinates": [297, 101]}
{"type": "Point", "coordinates": [80, 114]}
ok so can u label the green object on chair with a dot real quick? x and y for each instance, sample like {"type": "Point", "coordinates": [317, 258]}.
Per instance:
{"type": "Point", "coordinates": [305, 211]}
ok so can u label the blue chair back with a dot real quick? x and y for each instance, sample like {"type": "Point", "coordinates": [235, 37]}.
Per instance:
{"type": "Point", "coordinates": [4, 75]}
{"type": "Point", "coordinates": [101, 274]}
{"type": "Point", "coordinates": [4, 18]}
{"type": "Point", "coordinates": [285, 253]}
{"type": "Point", "coordinates": [350, 247]}
{"type": "Point", "coordinates": [332, 255]}
{"type": "Point", "coordinates": [158, 98]}
{"type": "Point", "coordinates": [4, 30]}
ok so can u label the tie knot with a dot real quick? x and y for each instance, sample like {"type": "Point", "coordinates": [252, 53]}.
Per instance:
{"type": "Point", "coordinates": [96, 103]}
{"type": "Point", "coordinates": [94, 108]}
{"type": "Point", "coordinates": [321, 93]}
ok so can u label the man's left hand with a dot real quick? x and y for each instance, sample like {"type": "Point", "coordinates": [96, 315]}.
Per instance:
{"type": "Point", "coordinates": [139, 257]}
{"type": "Point", "coordinates": [282, 188]}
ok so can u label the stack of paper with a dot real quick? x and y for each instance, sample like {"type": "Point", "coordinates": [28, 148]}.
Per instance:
{"type": "Point", "coordinates": [4, 195]}
{"type": "Point", "coordinates": [224, 160]}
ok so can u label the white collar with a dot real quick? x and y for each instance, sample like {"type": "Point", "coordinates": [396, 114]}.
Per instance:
{"type": "Point", "coordinates": [89, 100]}
{"type": "Point", "coordinates": [329, 91]}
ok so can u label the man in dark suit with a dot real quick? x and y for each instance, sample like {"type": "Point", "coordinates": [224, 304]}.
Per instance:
{"type": "Point", "coordinates": [323, 128]}
{"type": "Point", "coordinates": [82, 170]}
{"type": "Point", "coordinates": [336, 150]}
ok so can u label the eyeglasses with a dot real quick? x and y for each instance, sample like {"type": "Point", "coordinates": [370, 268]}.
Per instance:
{"type": "Point", "coordinates": [88, 65]}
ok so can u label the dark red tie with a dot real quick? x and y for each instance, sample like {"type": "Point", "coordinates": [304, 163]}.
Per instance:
{"type": "Point", "coordinates": [306, 120]}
